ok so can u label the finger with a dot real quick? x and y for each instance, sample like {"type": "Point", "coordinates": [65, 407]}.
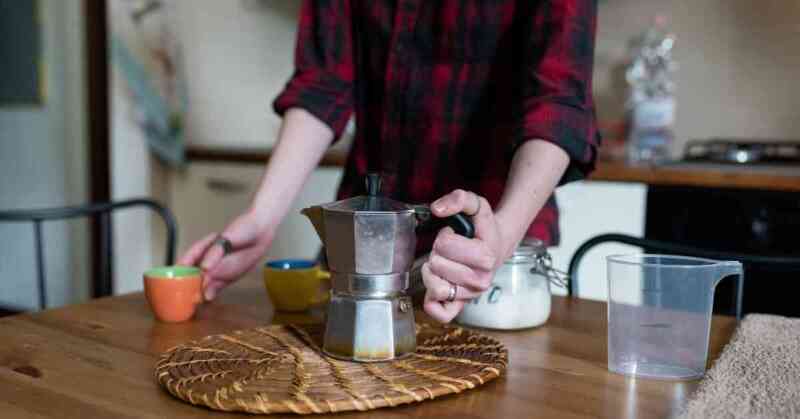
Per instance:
{"type": "Point", "coordinates": [458, 274]}
{"type": "Point", "coordinates": [485, 224]}
{"type": "Point", "coordinates": [438, 289]}
{"type": "Point", "coordinates": [213, 284]}
{"type": "Point", "coordinates": [239, 234]}
{"type": "Point", "coordinates": [211, 290]}
{"type": "Point", "coordinates": [212, 257]}
{"type": "Point", "coordinates": [457, 201]}
{"type": "Point", "coordinates": [195, 253]}
{"type": "Point", "coordinates": [473, 253]}
{"type": "Point", "coordinates": [469, 203]}
{"type": "Point", "coordinates": [443, 313]}
{"type": "Point", "coordinates": [237, 263]}
{"type": "Point", "coordinates": [229, 270]}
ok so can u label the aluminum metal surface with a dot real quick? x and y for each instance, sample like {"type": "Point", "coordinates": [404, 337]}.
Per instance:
{"type": "Point", "coordinates": [369, 330]}
{"type": "Point", "coordinates": [376, 286]}
{"type": "Point", "coordinates": [374, 243]}
{"type": "Point", "coordinates": [369, 244]}
{"type": "Point", "coordinates": [368, 204]}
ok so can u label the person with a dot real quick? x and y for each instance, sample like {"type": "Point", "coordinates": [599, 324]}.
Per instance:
{"type": "Point", "coordinates": [481, 107]}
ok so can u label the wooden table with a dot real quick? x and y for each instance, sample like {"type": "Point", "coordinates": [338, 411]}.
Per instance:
{"type": "Point", "coordinates": [96, 360]}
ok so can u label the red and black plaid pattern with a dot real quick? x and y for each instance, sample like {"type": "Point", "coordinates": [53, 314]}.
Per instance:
{"type": "Point", "coordinates": [444, 91]}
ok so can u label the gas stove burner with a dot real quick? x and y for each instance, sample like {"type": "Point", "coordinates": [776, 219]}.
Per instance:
{"type": "Point", "coordinates": [742, 152]}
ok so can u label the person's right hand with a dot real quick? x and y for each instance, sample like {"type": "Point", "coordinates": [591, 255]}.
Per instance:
{"type": "Point", "coordinates": [250, 242]}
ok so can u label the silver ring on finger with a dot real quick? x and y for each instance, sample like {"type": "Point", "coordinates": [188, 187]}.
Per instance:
{"type": "Point", "coordinates": [227, 246]}
{"type": "Point", "coordinates": [451, 296]}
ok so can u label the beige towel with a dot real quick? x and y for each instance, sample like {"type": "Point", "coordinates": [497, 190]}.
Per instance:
{"type": "Point", "coordinates": [757, 376]}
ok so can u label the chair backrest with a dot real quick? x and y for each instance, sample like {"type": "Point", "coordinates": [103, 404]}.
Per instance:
{"type": "Point", "coordinates": [100, 211]}
{"type": "Point", "coordinates": [676, 249]}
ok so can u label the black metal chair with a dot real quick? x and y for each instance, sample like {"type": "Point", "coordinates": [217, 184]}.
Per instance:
{"type": "Point", "coordinates": [103, 212]}
{"type": "Point", "coordinates": [658, 246]}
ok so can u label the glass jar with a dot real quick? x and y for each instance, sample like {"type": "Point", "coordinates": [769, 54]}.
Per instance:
{"type": "Point", "coordinates": [519, 296]}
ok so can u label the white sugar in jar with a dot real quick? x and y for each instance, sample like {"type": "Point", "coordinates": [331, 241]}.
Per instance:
{"type": "Point", "coordinates": [519, 296]}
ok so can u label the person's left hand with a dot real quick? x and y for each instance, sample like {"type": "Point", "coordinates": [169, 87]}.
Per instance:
{"type": "Point", "coordinates": [457, 263]}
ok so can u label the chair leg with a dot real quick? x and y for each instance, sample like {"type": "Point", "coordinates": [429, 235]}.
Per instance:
{"type": "Point", "coordinates": [40, 266]}
{"type": "Point", "coordinates": [103, 287]}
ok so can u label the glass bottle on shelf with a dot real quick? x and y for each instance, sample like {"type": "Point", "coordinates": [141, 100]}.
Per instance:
{"type": "Point", "coordinates": [651, 99]}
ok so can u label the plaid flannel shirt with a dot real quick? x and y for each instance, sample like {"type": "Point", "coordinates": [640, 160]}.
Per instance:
{"type": "Point", "coordinates": [445, 91]}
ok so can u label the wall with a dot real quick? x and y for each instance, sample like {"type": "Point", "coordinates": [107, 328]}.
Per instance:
{"type": "Point", "coordinates": [737, 60]}
{"type": "Point", "coordinates": [134, 172]}
{"type": "Point", "coordinates": [738, 64]}
{"type": "Point", "coordinates": [43, 162]}
{"type": "Point", "coordinates": [238, 56]}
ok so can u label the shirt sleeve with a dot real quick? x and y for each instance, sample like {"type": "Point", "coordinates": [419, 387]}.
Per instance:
{"type": "Point", "coordinates": [322, 82]}
{"type": "Point", "coordinates": [557, 104]}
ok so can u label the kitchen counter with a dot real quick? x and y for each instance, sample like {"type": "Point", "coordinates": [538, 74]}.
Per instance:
{"type": "Point", "coordinates": [782, 178]}
{"type": "Point", "coordinates": [96, 360]}
{"type": "Point", "coordinates": [707, 175]}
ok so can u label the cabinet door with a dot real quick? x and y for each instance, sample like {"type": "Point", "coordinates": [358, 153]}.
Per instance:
{"type": "Point", "coordinates": [591, 208]}
{"type": "Point", "coordinates": [207, 196]}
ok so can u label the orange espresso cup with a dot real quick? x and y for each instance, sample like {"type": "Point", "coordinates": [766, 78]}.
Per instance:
{"type": "Point", "coordinates": [174, 292]}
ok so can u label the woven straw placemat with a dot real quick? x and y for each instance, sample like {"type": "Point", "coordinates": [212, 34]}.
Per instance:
{"type": "Point", "coordinates": [280, 369]}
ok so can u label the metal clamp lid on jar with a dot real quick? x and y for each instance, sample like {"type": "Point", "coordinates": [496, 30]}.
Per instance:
{"type": "Point", "coordinates": [530, 249]}
{"type": "Point", "coordinates": [533, 250]}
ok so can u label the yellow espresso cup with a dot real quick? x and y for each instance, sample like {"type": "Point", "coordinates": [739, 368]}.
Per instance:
{"type": "Point", "coordinates": [296, 284]}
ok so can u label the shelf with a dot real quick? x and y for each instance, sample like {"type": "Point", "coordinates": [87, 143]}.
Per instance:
{"type": "Point", "coordinates": [675, 174]}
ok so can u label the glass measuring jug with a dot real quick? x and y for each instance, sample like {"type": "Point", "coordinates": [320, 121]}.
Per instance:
{"type": "Point", "coordinates": [659, 313]}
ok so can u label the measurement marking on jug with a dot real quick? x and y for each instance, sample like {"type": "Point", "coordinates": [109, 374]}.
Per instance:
{"type": "Point", "coordinates": [657, 325]}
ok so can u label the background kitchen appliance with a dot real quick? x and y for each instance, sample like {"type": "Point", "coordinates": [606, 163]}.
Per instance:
{"type": "Point", "coordinates": [749, 221]}
{"type": "Point", "coordinates": [726, 151]}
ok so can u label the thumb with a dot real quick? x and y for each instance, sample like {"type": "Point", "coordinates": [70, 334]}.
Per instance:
{"type": "Point", "coordinates": [211, 291]}
{"type": "Point", "coordinates": [211, 259]}
{"type": "Point", "coordinates": [468, 203]}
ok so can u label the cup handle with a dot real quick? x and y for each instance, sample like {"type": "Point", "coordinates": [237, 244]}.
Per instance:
{"type": "Point", "coordinates": [733, 268]}
{"type": "Point", "coordinates": [322, 297]}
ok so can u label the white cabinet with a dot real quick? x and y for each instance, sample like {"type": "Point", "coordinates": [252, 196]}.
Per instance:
{"type": "Point", "coordinates": [590, 208]}
{"type": "Point", "coordinates": [206, 196]}
{"type": "Point", "coordinates": [296, 236]}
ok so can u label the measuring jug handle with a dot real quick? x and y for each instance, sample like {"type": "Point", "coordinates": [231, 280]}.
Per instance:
{"type": "Point", "coordinates": [725, 269]}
